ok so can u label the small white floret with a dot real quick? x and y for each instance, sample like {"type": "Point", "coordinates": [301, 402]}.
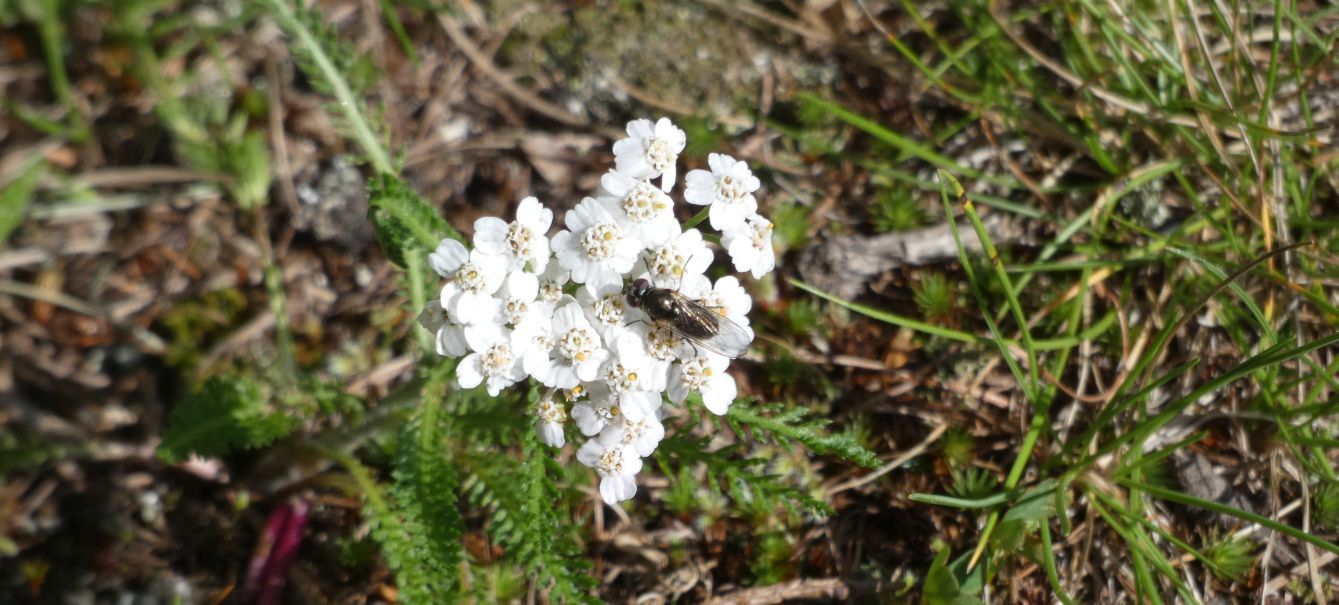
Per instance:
{"type": "Point", "coordinates": [594, 247]}
{"type": "Point", "coordinates": [650, 151]}
{"type": "Point", "coordinates": [728, 188]}
{"type": "Point", "coordinates": [750, 246]}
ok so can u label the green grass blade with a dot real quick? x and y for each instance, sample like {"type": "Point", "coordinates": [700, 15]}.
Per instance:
{"type": "Point", "coordinates": [890, 318]}
{"type": "Point", "coordinates": [16, 196]}
{"type": "Point", "coordinates": [1211, 506]}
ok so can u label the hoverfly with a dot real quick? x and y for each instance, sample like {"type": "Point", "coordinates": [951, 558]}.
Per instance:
{"type": "Point", "coordinates": [689, 319]}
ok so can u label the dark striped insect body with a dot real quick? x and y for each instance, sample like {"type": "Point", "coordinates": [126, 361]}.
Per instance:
{"type": "Point", "coordinates": [689, 319]}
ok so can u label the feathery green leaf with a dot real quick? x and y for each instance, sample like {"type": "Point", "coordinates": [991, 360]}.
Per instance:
{"type": "Point", "coordinates": [405, 223]}
{"type": "Point", "coordinates": [792, 425]}
{"type": "Point", "coordinates": [423, 498]}
{"type": "Point", "coordinates": [526, 504]}
{"type": "Point", "coordinates": [225, 415]}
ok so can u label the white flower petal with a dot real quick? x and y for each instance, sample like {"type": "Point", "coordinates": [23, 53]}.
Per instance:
{"type": "Point", "coordinates": [479, 337]}
{"type": "Point", "coordinates": [448, 257]}
{"type": "Point", "coordinates": [590, 453]}
{"type": "Point", "coordinates": [550, 433]}
{"type": "Point", "coordinates": [562, 377]}
{"type": "Point", "coordinates": [724, 217]}
{"type": "Point", "coordinates": [719, 394]}
{"type": "Point", "coordinates": [467, 373]}
{"type": "Point", "coordinates": [451, 341]}
{"type": "Point", "coordinates": [587, 418]}
{"type": "Point", "coordinates": [539, 366]}
{"type": "Point", "coordinates": [699, 187]}
{"type": "Point", "coordinates": [617, 489]}
{"type": "Point", "coordinates": [474, 307]}
{"type": "Point", "coordinates": [532, 214]}
{"type": "Point", "coordinates": [522, 286]}
{"type": "Point", "coordinates": [490, 235]}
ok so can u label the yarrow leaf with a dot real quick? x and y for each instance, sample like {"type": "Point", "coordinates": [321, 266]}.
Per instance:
{"type": "Point", "coordinates": [423, 498]}
{"type": "Point", "coordinates": [743, 478]}
{"type": "Point", "coordinates": [792, 425]}
{"type": "Point", "coordinates": [404, 222]}
{"type": "Point", "coordinates": [419, 577]}
{"type": "Point", "coordinates": [226, 414]}
{"type": "Point", "coordinates": [525, 504]}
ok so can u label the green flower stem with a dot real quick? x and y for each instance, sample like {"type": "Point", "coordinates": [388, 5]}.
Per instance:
{"type": "Point", "coordinates": [697, 218]}
{"type": "Point", "coordinates": [361, 130]}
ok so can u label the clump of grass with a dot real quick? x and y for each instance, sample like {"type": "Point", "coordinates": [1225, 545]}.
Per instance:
{"type": "Point", "coordinates": [935, 297]}
{"type": "Point", "coordinates": [1231, 558]}
{"type": "Point", "coordinates": [790, 225]}
{"type": "Point", "coordinates": [803, 317]}
{"type": "Point", "coordinates": [958, 447]}
{"type": "Point", "coordinates": [771, 564]}
{"type": "Point", "coordinates": [972, 482]}
{"type": "Point", "coordinates": [896, 210]}
{"type": "Point", "coordinates": [1325, 506]}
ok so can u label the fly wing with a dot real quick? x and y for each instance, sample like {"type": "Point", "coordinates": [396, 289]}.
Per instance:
{"type": "Point", "coordinates": [712, 331]}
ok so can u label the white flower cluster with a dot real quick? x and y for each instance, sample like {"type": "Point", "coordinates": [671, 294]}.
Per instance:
{"type": "Point", "coordinates": [567, 311]}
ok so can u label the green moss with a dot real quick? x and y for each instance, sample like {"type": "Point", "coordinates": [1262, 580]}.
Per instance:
{"type": "Point", "coordinates": [896, 210]}
{"type": "Point", "coordinates": [194, 324]}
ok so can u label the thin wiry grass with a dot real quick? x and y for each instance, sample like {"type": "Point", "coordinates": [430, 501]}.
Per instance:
{"type": "Point", "coordinates": [1170, 98]}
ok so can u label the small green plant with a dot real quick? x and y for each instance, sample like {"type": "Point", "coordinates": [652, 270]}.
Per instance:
{"type": "Point", "coordinates": [226, 414]}
{"type": "Point", "coordinates": [1325, 505]}
{"type": "Point", "coordinates": [791, 225]}
{"type": "Point", "coordinates": [896, 210]}
{"type": "Point", "coordinates": [771, 560]}
{"type": "Point", "coordinates": [804, 317]}
{"type": "Point", "coordinates": [959, 447]}
{"type": "Point", "coordinates": [936, 298]}
{"type": "Point", "coordinates": [194, 323]}
{"type": "Point", "coordinates": [972, 482]}
{"type": "Point", "coordinates": [1231, 558]}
